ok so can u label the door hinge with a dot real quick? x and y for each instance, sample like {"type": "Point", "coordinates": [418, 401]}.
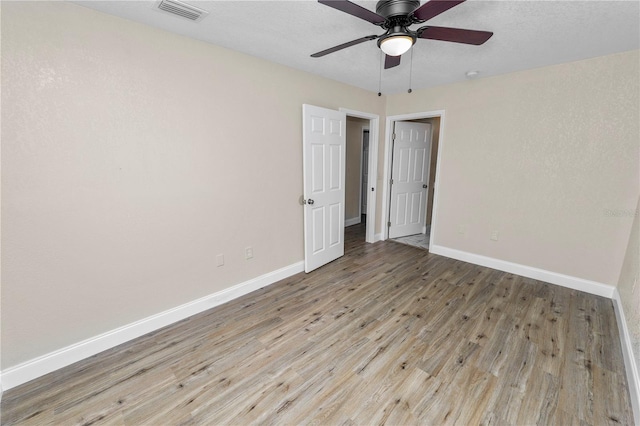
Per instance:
{"type": "Point", "coordinates": [391, 181]}
{"type": "Point", "coordinates": [389, 224]}
{"type": "Point", "coordinates": [393, 136]}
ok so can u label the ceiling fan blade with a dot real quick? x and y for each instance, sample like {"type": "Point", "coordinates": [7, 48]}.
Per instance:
{"type": "Point", "coordinates": [457, 35]}
{"type": "Point", "coordinates": [354, 10]}
{"type": "Point", "coordinates": [344, 45]}
{"type": "Point", "coordinates": [433, 8]}
{"type": "Point", "coordinates": [391, 61]}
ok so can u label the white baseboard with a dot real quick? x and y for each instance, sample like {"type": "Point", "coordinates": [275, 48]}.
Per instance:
{"type": "Point", "coordinates": [45, 364]}
{"type": "Point", "coordinates": [377, 237]}
{"type": "Point", "coordinates": [580, 284]}
{"type": "Point", "coordinates": [352, 221]}
{"type": "Point", "coordinates": [633, 378]}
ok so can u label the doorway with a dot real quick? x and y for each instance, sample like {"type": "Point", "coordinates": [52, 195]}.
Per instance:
{"type": "Point", "coordinates": [361, 192]}
{"type": "Point", "coordinates": [356, 196]}
{"type": "Point", "coordinates": [410, 177]}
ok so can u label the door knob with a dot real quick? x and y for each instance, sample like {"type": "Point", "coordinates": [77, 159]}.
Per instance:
{"type": "Point", "coordinates": [424, 186]}
{"type": "Point", "coordinates": [310, 201]}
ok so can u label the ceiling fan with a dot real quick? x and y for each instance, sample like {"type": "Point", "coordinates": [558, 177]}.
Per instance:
{"type": "Point", "coordinates": [396, 16]}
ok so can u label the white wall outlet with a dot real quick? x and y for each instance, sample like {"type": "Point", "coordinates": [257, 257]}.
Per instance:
{"type": "Point", "coordinates": [220, 260]}
{"type": "Point", "coordinates": [248, 253]}
{"type": "Point", "coordinates": [494, 236]}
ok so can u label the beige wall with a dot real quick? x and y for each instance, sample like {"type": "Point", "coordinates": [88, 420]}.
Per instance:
{"type": "Point", "coordinates": [629, 283]}
{"type": "Point", "coordinates": [353, 170]}
{"type": "Point", "coordinates": [540, 156]}
{"type": "Point", "coordinates": [127, 166]}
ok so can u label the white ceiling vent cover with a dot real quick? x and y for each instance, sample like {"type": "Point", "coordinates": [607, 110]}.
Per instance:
{"type": "Point", "coordinates": [182, 10]}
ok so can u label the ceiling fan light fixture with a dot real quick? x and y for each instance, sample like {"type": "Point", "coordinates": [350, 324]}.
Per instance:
{"type": "Point", "coordinates": [396, 45]}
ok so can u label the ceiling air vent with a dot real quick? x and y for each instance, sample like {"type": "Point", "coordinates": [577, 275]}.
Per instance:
{"type": "Point", "coordinates": [182, 10]}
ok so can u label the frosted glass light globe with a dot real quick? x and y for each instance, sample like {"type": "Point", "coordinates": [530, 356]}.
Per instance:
{"type": "Point", "coordinates": [397, 45]}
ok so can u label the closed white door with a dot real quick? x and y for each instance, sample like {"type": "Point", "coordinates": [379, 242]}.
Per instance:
{"type": "Point", "coordinates": [365, 170]}
{"type": "Point", "coordinates": [324, 144]}
{"type": "Point", "coordinates": [409, 178]}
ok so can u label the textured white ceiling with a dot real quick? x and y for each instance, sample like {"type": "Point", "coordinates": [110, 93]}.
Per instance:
{"type": "Point", "coordinates": [527, 34]}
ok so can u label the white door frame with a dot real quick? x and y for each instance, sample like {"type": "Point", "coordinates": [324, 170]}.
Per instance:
{"type": "Point", "coordinates": [374, 125]}
{"type": "Point", "coordinates": [386, 187]}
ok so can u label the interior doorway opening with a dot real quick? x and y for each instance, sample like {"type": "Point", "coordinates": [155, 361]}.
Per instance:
{"type": "Point", "coordinates": [361, 171]}
{"type": "Point", "coordinates": [410, 178]}
{"type": "Point", "coordinates": [356, 197]}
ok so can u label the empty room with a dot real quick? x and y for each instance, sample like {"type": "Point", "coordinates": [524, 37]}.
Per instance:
{"type": "Point", "coordinates": [325, 212]}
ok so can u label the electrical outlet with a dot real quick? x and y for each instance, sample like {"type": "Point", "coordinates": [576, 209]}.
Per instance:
{"type": "Point", "coordinates": [494, 236]}
{"type": "Point", "coordinates": [220, 260]}
{"type": "Point", "coordinates": [248, 253]}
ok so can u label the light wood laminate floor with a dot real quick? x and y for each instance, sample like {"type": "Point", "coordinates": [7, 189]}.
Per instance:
{"type": "Point", "coordinates": [388, 334]}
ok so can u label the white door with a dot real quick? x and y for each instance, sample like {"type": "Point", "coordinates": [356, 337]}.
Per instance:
{"type": "Point", "coordinates": [365, 170]}
{"type": "Point", "coordinates": [409, 178]}
{"type": "Point", "coordinates": [324, 144]}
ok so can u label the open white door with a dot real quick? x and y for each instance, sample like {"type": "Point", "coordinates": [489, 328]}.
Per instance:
{"type": "Point", "coordinates": [323, 151]}
{"type": "Point", "coordinates": [409, 178]}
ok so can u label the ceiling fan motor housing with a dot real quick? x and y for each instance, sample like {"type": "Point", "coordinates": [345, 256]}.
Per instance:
{"type": "Point", "coordinates": [391, 8]}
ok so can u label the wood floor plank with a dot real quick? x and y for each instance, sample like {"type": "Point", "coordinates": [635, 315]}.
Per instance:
{"type": "Point", "coordinates": [545, 386]}
{"type": "Point", "coordinates": [441, 407]}
{"type": "Point", "coordinates": [514, 373]}
{"type": "Point", "coordinates": [608, 410]}
{"type": "Point", "coordinates": [387, 334]}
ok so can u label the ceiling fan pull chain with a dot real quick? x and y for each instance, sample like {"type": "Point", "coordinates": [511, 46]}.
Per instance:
{"type": "Point", "coordinates": [380, 78]}
{"type": "Point", "coordinates": [410, 72]}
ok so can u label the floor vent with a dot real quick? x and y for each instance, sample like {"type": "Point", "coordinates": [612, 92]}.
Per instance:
{"type": "Point", "coordinates": [182, 10]}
